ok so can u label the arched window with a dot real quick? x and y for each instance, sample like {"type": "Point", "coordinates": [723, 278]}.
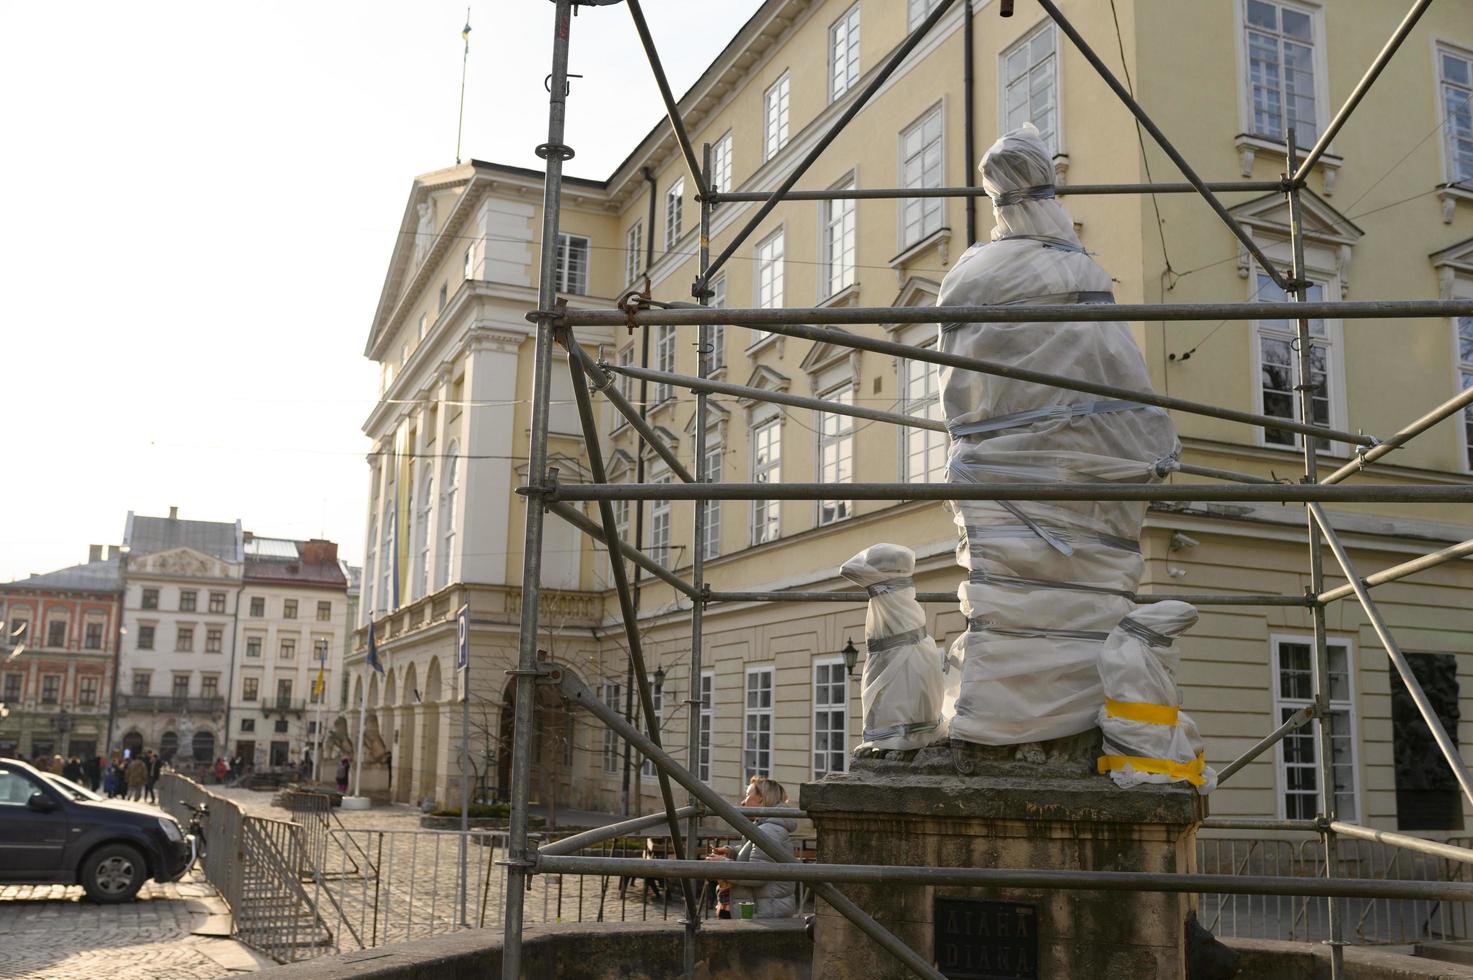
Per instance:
{"type": "Point", "coordinates": [204, 746]}
{"type": "Point", "coordinates": [422, 531]}
{"type": "Point", "coordinates": [447, 513]}
{"type": "Point", "coordinates": [168, 745]}
{"type": "Point", "coordinates": [368, 570]}
{"type": "Point", "coordinates": [386, 550]}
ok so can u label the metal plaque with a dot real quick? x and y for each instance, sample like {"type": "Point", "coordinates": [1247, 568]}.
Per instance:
{"type": "Point", "coordinates": [986, 940]}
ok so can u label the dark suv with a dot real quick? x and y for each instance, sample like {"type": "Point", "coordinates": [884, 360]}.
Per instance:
{"type": "Point", "coordinates": [53, 832]}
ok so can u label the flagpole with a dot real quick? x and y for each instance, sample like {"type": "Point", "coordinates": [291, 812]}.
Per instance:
{"type": "Point", "coordinates": [464, 61]}
{"type": "Point", "coordinates": [362, 723]}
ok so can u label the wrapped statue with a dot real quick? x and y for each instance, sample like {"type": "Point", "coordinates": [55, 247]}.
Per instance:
{"type": "Point", "coordinates": [1147, 737]}
{"type": "Point", "coordinates": [1047, 581]}
{"type": "Point", "coordinates": [903, 692]}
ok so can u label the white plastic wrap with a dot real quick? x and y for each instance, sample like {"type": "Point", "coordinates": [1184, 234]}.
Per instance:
{"type": "Point", "coordinates": [1148, 738]}
{"type": "Point", "coordinates": [903, 692]}
{"type": "Point", "coordinates": [1047, 580]}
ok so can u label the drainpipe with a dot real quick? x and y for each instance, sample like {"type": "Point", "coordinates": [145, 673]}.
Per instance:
{"type": "Point", "coordinates": [968, 122]}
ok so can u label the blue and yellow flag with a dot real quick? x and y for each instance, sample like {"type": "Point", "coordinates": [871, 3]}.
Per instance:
{"type": "Point", "coordinates": [373, 660]}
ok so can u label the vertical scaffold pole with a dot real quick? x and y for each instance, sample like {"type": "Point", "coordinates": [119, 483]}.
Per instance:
{"type": "Point", "coordinates": [698, 552]}
{"type": "Point", "coordinates": [1324, 723]}
{"type": "Point", "coordinates": [554, 152]}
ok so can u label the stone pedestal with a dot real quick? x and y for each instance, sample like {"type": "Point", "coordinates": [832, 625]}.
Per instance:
{"type": "Point", "coordinates": [1005, 815]}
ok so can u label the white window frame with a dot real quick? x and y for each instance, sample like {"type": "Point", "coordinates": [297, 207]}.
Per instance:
{"type": "Point", "coordinates": [775, 112]}
{"type": "Point", "coordinates": [838, 240]}
{"type": "Point", "coordinates": [633, 251]}
{"type": "Point", "coordinates": [766, 524]}
{"type": "Point", "coordinates": [757, 722]}
{"type": "Point", "coordinates": [827, 666]}
{"type": "Point", "coordinates": [1463, 378]}
{"type": "Point", "coordinates": [1322, 104]}
{"type": "Point", "coordinates": [674, 212]}
{"type": "Point", "coordinates": [572, 277]}
{"type": "Point", "coordinates": [625, 358]}
{"type": "Point", "coordinates": [1282, 706]}
{"type": "Point", "coordinates": [721, 163]}
{"type": "Point", "coordinates": [835, 454]}
{"type": "Point", "coordinates": [715, 452]}
{"type": "Point", "coordinates": [707, 724]}
{"type": "Point", "coordinates": [665, 338]}
{"type": "Point", "coordinates": [917, 11]}
{"type": "Point", "coordinates": [1053, 138]}
{"type": "Point", "coordinates": [915, 442]}
{"type": "Point", "coordinates": [609, 693]}
{"type": "Point", "coordinates": [844, 52]}
{"type": "Point", "coordinates": [660, 514]}
{"type": "Point", "coordinates": [469, 262]}
{"type": "Point", "coordinates": [1331, 340]}
{"type": "Point", "coordinates": [717, 332]}
{"type": "Point", "coordinates": [1460, 91]}
{"type": "Point", "coordinates": [657, 695]}
{"type": "Point", "coordinates": [930, 209]}
{"type": "Point", "coordinates": [449, 503]}
{"type": "Point", "coordinates": [768, 278]}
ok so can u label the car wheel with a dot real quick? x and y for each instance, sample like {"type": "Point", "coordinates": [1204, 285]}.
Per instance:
{"type": "Point", "coordinates": [113, 874]}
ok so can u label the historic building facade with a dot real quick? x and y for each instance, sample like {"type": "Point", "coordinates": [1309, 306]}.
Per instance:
{"type": "Point", "coordinates": [1388, 215]}
{"type": "Point", "coordinates": [57, 656]}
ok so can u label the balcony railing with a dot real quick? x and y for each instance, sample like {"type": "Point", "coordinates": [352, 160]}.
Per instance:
{"type": "Point", "coordinates": [282, 706]}
{"type": "Point", "coordinates": [179, 705]}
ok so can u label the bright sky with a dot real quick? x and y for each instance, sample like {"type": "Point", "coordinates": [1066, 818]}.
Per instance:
{"type": "Point", "coordinates": [201, 199]}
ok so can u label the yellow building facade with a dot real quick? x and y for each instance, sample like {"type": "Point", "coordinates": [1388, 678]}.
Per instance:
{"type": "Point", "coordinates": [1389, 216]}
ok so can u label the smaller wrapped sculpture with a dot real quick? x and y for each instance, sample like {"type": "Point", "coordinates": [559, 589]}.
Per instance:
{"type": "Point", "coordinates": [1147, 737]}
{"type": "Point", "coordinates": [906, 676]}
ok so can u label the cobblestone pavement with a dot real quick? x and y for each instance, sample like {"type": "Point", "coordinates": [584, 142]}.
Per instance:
{"type": "Point", "coordinates": [53, 931]}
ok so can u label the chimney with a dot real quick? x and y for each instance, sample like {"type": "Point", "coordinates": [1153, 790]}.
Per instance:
{"type": "Point", "coordinates": [94, 552]}
{"type": "Point", "coordinates": [173, 513]}
{"type": "Point", "coordinates": [319, 552]}
{"type": "Point", "coordinates": [111, 553]}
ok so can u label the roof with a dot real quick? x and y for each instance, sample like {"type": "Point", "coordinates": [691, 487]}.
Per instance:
{"type": "Point", "coordinates": [93, 576]}
{"type": "Point", "coordinates": [146, 535]}
{"type": "Point", "coordinates": [295, 571]}
{"type": "Point", "coordinates": [258, 547]}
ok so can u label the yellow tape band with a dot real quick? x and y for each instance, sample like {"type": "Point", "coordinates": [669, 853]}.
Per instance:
{"type": "Point", "coordinates": [1190, 771]}
{"type": "Point", "coordinates": [1151, 714]}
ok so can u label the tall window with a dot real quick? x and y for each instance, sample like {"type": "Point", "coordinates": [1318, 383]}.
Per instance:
{"type": "Point", "coordinates": [214, 636]}
{"type": "Point", "coordinates": [775, 118]}
{"type": "Point", "coordinates": [250, 688]}
{"type": "Point", "coordinates": [757, 725]}
{"type": "Point", "coordinates": [625, 358]}
{"type": "Point", "coordinates": [188, 600]}
{"type": "Point", "coordinates": [388, 599]}
{"type": "Point", "coordinates": [142, 680]}
{"type": "Point", "coordinates": [324, 612]}
{"type": "Point", "coordinates": [319, 651]}
{"type": "Point", "coordinates": [1465, 374]}
{"type": "Point", "coordinates": [284, 691]}
{"type": "Point", "coordinates": [421, 534]}
{"type": "Point", "coordinates": [572, 263]}
{"type": "Point", "coordinates": [253, 646]}
{"type": "Point", "coordinates": [209, 685]}
{"type": "Point", "coordinates": [844, 53]}
{"type": "Point", "coordinates": [609, 694]}
{"type": "Point", "coordinates": [368, 572]}
{"type": "Point", "coordinates": [288, 649]}
{"type": "Point", "coordinates": [838, 241]}
{"type": "Point", "coordinates": [289, 609]}
{"type": "Point", "coordinates": [633, 251]}
{"type": "Point", "coordinates": [721, 163]}
{"type": "Point", "coordinates": [657, 695]}
{"type": "Point", "coordinates": [916, 11]}
{"type": "Point", "coordinates": [921, 166]}
{"type": "Point", "coordinates": [150, 599]}
{"type": "Point", "coordinates": [924, 452]}
{"type": "Point", "coordinates": [217, 602]}
{"type": "Point", "coordinates": [1029, 85]}
{"type": "Point", "coordinates": [51, 688]}
{"type": "Point", "coordinates": [660, 523]}
{"type": "Point", "coordinates": [448, 498]}
{"type": "Point", "coordinates": [717, 331]}
{"type": "Point", "coordinates": [769, 276]}
{"type": "Point", "coordinates": [468, 263]}
{"type": "Point", "coordinates": [830, 717]}
{"type": "Point", "coordinates": [184, 639]}
{"type": "Point", "coordinates": [1281, 83]}
{"type": "Point", "coordinates": [1455, 73]}
{"type": "Point", "coordinates": [12, 687]}
{"type": "Point", "coordinates": [708, 710]}
{"type": "Point", "coordinates": [674, 203]}
{"type": "Point", "coordinates": [56, 633]}
{"type": "Point", "coordinates": [711, 540]}
{"type": "Point", "coordinates": [87, 690]}
{"type": "Point", "coordinates": [1298, 753]}
{"type": "Point", "coordinates": [1279, 366]}
{"type": "Point", "coordinates": [145, 637]}
{"type": "Point", "coordinates": [181, 686]}
{"type": "Point", "coordinates": [93, 639]}
{"type": "Point", "coordinates": [836, 453]}
{"type": "Point", "coordinates": [767, 453]}
{"type": "Point", "coordinates": [664, 359]}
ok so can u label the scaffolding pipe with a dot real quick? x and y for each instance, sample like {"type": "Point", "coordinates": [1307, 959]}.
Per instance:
{"type": "Point", "coordinates": [1361, 88]}
{"type": "Point", "coordinates": [677, 125]}
{"type": "Point", "coordinates": [554, 151]}
{"type": "Point", "coordinates": [575, 843]}
{"type": "Point", "coordinates": [1105, 881]}
{"type": "Point", "coordinates": [1419, 844]}
{"type": "Point", "coordinates": [1195, 598]}
{"type": "Point", "coordinates": [600, 381]}
{"type": "Point", "coordinates": [1191, 469]}
{"type": "Point", "coordinates": [1061, 190]}
{"type": "Point", "coordinates": [575, 690]}
{"type": "Point", "coordinates": [1282, 493]}
{"type": "Point", "coordinates": [1171, 151]}
{"type": "Point", "coordinates": [1406, 568]}
{"type": "Point", "coordinates": [571, 514]}
{"type": "Point", "coordinates": [627, 608]}
{"type": "Point", "coordinates": [1398, 659]}
{"type": "Point", "coordinates": [1402, 436]}
{"type": "Point", "coordinates": [1258, 823]}
{"type": "Point", "coordinates": [704, 386]}
{"type": "Point", "coordinates": [1293, 722]}
{"type": "Point", "coordinates": [794, 175]}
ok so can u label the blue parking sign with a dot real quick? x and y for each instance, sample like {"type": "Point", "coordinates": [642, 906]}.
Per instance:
{"type": "Point", "coordinates": [463, 638]}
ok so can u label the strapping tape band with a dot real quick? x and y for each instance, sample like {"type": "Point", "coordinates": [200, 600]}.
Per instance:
{"type": "Point", "coordinates": [1000, 423]}
{"type": "Point", "coordinates": [981, 532]}
{"type": "Point", "coordinates": [915, 728]}
{"type": "Point", "coordinates": [979, 576]}
{"type": "Point", "coordinates": [978, 625]}
{"type": "Point", "coordinates": [899, 640]}
{"type": "Point", "coordinates": [1151, 714]}
{"type": "Point", "coordinates": [890, 585]}
{"type": "Point", "coordinates": [1190, 771]}
{"type": "Point", "coordinates": [1142, 632]}
{"type": "Point", "coordinates": [1074, 297]}
{"type": "Point", "coordinates": [1038, 192]}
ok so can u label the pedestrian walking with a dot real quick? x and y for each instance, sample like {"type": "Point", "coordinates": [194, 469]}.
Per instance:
{"type": "Point", "coordinates": [136, 776]}
{"type": "Point", "coordinates": [93, 770]}
{"type": "Point", "coordinates": [154, 764]}
{"type": "Point", "coordinates": [73, 770]}
{"type": "Point", "coordinates": [342, 775]}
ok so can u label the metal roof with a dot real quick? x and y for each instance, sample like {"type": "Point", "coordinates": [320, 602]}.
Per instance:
{"type": "Point", "coordinates": [93, 576]}
{"type": "Point", "coordinates": [146, 535]}
{"type": "Point", "coordinates": [271, 548]}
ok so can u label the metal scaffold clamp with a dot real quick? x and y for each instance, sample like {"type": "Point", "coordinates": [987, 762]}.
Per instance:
{"type": "Point", "coordinates": [633, 301]}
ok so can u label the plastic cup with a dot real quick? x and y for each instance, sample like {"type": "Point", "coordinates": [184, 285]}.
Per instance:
{"type": "Point", "coordinates": [749, 909]}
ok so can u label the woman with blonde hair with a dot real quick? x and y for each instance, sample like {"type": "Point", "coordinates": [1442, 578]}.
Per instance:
{"type": "Point", "coordinates": [773, 899]}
